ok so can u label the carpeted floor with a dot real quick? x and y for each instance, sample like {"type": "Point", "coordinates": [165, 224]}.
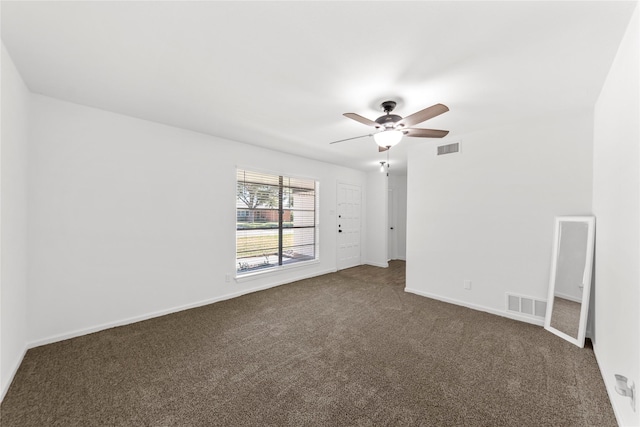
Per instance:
{"type": "Point", "coordinates": [349, 348]}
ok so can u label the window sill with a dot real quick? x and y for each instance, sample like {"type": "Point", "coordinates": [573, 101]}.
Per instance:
{"type": "Point", "coordinates": [245, 277]}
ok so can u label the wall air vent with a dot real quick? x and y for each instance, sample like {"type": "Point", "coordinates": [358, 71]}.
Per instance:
{"type": "Point", "coordinates": [449, 149]}
{"type": "Point", "coordinates": [526, 305]}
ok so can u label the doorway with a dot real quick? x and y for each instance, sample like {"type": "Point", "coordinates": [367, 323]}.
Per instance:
{"type": "Point", "coordinates": [392, 212]}
{"type": "Point", "coordinates": [348, 225]}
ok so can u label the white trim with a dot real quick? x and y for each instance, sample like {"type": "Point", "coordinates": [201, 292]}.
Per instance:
{"type": "Point", "coordinates": [134, 319]}
{"type": "Point", "coordinates": [377, 264]}
{"type": "Point", "coordinates": [568, 297]}
{"type": "Point", "coordinates": [12, 374]}
{"type": "Point", "coordinates": [265, 272]}
{"type": "Point", "coordinates": [513, 316]}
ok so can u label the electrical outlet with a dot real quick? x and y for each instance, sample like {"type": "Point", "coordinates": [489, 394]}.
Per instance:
{"type": "Point", "coordinates": [467, 285]}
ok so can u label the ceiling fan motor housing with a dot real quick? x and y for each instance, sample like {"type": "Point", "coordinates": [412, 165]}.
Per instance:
{"type": "Point", "coordinates": [388, 120]}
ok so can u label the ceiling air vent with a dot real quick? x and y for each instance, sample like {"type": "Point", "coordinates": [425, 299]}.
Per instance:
{"type": "Point", "coordinates": [448, 149]}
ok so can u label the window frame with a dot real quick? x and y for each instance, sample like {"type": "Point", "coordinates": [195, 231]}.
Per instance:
{"type": "Point", "coordinates": [260, 272]}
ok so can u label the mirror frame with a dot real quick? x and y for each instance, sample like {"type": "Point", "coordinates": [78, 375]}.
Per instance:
{"type": "Point", "coordinates": [586, 278]}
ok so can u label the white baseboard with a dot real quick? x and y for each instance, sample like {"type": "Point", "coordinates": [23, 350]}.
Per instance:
{"type": "Point", "coordinates": [568, 297]}
{"type": "Point", "coordinates": [134, 319]}
{"type": "Point", "coordinates": [513, 316]}
{"type": "Point", "coordinates": [377, 264]}
{"type": "Point", "coordinates": [12, 374]}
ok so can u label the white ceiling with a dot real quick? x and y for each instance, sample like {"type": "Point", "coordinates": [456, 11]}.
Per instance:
{"type": "Point", "coordinates": [280, 74]}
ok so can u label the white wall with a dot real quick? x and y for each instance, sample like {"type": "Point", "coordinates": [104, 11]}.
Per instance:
{"type": "Point", "coordinates": [375, 252]}
{"type": "Point", "coordinates": [13, 224]}
{"type": "Point", "coordinates": [616, 193]}
{"type": "Point", "coordinates": [398, 183]}
{"type": "Point", "coordinates": [487, 214]}
{"type": "Point", "coordinates": [130, 219]}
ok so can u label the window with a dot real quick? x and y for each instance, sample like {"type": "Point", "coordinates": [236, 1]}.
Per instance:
{"type": "Point", "coordinates": [275, 221]}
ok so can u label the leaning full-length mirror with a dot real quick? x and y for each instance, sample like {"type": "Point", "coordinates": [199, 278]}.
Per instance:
{"type": "Point", "coordinates": [570, 283]}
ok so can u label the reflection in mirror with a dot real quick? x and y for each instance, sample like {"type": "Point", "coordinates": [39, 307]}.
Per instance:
{"type": "Point", "coordinates": [569, 286]}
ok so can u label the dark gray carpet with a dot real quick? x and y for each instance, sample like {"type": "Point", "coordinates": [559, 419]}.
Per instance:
{"type": "Point", "coordinates": [349, 348]}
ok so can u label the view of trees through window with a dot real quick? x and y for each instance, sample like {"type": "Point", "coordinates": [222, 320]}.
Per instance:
{"type": "Point", "coordinates": [275, 220]}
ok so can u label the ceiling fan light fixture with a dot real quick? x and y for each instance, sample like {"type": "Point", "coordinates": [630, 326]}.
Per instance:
{"type": "Point", "coordinates": [387, 138]}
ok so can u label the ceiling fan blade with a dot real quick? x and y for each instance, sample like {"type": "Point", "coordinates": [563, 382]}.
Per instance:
{"type": "Point", "coordinates": [359, 118]}
{"type": "Point", "coordinates": [381, 149]}
{"type": "Point", "coordinates": [349, 139]}
{"type": "Point", "coordinates": [425, 133]}
{"type": "Point", "coordinates": [423, 115]}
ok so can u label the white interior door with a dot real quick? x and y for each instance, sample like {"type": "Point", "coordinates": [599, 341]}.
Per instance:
{"type": "Point", "coordinates": [392, 241]}
{"type": "Point", "coordinates": [348, 225]}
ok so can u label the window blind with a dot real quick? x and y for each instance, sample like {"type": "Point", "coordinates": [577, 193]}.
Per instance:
{"type": "Point", "coordinates": [275, 220]}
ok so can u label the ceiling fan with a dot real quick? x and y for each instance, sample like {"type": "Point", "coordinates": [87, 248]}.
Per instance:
{"type": "Point", "coordinates": [393, 127]}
